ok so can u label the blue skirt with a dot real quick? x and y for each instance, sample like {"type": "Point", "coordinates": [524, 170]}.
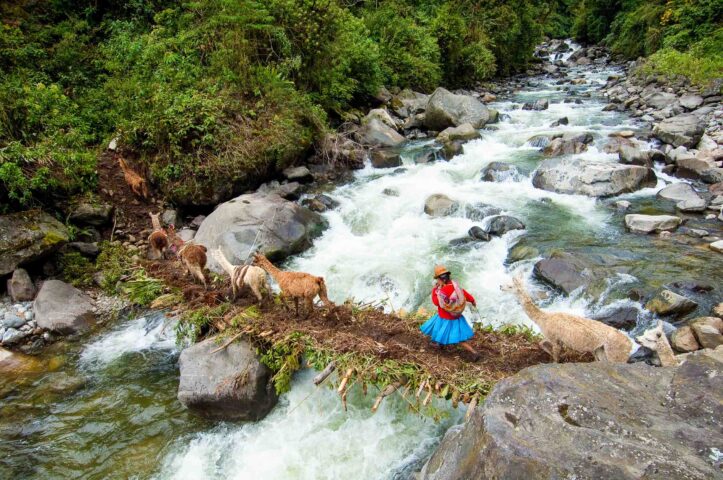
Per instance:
{"type": "Point", "coordinates": [447, 332]}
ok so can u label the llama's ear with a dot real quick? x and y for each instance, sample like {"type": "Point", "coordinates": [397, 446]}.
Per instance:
{"type": "Point", "coordinates": [660, 324]}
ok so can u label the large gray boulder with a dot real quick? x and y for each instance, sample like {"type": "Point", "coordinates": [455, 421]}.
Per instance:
{"type": "Point", "coordinates": [685, 129]}
{"type": "Point", "coordinates": [591, 177]}
{"type": "Point", "coordinates": [93, 214]}
{"type": "Point", "coordinates": [231, 384]}
{"type": "Point", "coordinates": [660, 100]}
{"type": "Point", "coordinates": [440, 205]}
{"type": "Point", "coordinates": [20, 286]}
{"type": "Point", "coordinates": [667, 303]}
{"type": "Point", "coordinates": [678, 192]}
{"type": "Point", "coordinates": [62, 308]}
{"type": "Point", "coordinates": [446, 109]}
{"type": "Point", "coordinates": [499, 172]}
{"type": "Point", "coordinates": [375, 133]}
{"type": "Point", "coordinates": [651, 223]}
{"type": "Point", "coordinates": [567, 272]}
{"type": "Point", "coordinates": [501, 224]}
{"type": "Point", "coordinates": [591, 421]}
{"type": "Point", "coordinates": [273, 226]}
{"type": "Point", "coordinates": [463, 132]}
{"type": "Point", "coordinates": [28, 236]}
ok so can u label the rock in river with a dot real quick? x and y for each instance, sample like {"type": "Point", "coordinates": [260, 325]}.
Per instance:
{"type": "Point", "coordinates": [62, 308]}
{"type": "Point", "coordinates": [446, 109]}
{"type": "Point", "coordinates": [439, 205]}
{"type": "Point", "coordinates": [593, 178]}
{"type": "Point", "coordinates": [667, 302]}
{"type": "Point", "coordinates": [678, 192]}
{"type": "Point", "coordinates": [566, 272]}
{"type": "Point", "coordinates": [287, 228]}
{"type": "Point", "coordinates": [501, 224]}
{"type": "Point", "coordinates": [28, 236]}
{"type": "Point", "coordinates": [651, 223]}
{"type": "Point", "coordinates": [499, 172]}
{"type": "Point", "coordinates": [685, 129]}
{"type": "Point", "coordinates": [229, 384]}
{"type": "Point", "coordinates": [591, 421]}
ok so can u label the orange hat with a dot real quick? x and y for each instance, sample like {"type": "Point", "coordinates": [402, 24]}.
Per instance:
{"type": "Point", "coordinates": [440, 270]}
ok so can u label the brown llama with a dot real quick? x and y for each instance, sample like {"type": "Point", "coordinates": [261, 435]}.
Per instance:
{"type": "Point", "coordinates": [243, 276]}
{"type": "Point", "coordinates": [193, 258]}
{"type": "Point", "coordinates": [296, 285]}
{"type": "Point", "coordinates": [158, 239]}
{"type": "Point", "coordinates": [134, 180]}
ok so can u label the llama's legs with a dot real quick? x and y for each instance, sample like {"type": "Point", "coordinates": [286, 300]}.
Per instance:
{"type": "Point", "coordinates": [282, 297]}
{"type": "Point", "coordinates": [257, 293]}
{"type": "Point", "coordinates": [234, 291]}
{"type": "Point", "coordinates": [309, 306]}
{"type": "Point", "coordinates": [556, 352]}
{"type": "Point", "coordinates": [546, 346]}
{"type": "Point", "coordinates": [296, 302]}
{"type": "Point", "coordinates": [599, 354]}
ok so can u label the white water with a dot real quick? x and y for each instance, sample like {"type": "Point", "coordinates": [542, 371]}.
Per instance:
{"type": "Point", "coordinates": [154, 331]}
{"type": "Point", "coordinates": [309, 436]}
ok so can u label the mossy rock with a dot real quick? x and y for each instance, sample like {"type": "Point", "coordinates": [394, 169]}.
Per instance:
{"type": "Point", "coordinates": [28, 236]}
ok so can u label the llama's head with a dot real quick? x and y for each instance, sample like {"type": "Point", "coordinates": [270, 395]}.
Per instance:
{"type": "Point", "coordinates": [154, 216]}
{"type": "Point", "coordinates": [259, 258]}
{"type": "Point", "coordinates": [651, 337]}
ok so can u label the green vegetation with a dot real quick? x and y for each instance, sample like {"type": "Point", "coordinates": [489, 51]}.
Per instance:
{"type": "Point", "coordinates": [683, 37]}
{"type": "Point", "coordinates": [212, 97]}
{"type": "Point", "coordinates": [76, 269]}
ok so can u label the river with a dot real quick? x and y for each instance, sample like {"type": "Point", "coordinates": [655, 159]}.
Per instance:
{"type": "Point", "coordinates": [108, 408]}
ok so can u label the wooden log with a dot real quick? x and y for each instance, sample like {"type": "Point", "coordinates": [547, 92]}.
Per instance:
{"type": "Point", "coordinates": [471, 408]}
{"type": "Point", "coordinates": [343, 399]}
{"type": "Point", "coordinates": [388, 390]}
{"type": "Point", "coordinates": [325, 373]}
{"type": "Point", "coordinates": [228, 342]}
{"type": "Point", "coordinates": [345, 380]}
{"type": "Point", "coordinates": [421, 388]}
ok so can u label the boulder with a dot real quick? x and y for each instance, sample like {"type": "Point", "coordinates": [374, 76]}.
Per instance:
{"type": "Point", "coordinates": [708, 331]}
{"type": "Point", "coordinates": [463, 132]}
{"type": "Point", "coordinates": [717, 310]}
{"type": "Point", "coordinates": [286, 228]}
{"type": "Point", "coordinates": [480, 211]}
{"type": "Point", "coordinates": [380, 114]}
{"type": "Point", "coordinates": [692, 205]}
{"type": "Point", "coordinates": [478, 233]}
{"type": "Point", "coordinates": [439, 205]}
{"type": "Point", "coordinates": [660, 100]}
{"type": "Point", "coordinates": [88, 249]}
{"type": "Point", "coordinates": [667, 303]}
{"type": "Point", "coordinates": [593, 178]}
{"type": "Point", "coordinates": [591, 421]}
{"type": "Point", "coordinates": [541, 104]}
{"type": "Point", "coordinates": [320, 203]}
{"type": "Point", "coordinates": [678, 192]}
{"type": "Point", "coordinates": [501, 224]}
{"type": "Point", "coordinates": [691, 102]}
{"type": "Point", "coordinates": [651, 223]}
{"type": "Point", "coordinates": [299, 174]}
{"type": "Point", "coordinates": [376, 133]}
{"type": "Point", "coordinates": [624, 318]}
{"type": "Point", "coordinates": [566, 272]}
{"type": "Point", "coordinates": [560, 121]}
{"type": "Point", "coordinates": [28, 236]}
{"type": "Point", "coordinates": [445, 109]}
{"type": "Point", "coordinates": [539, 141]}
{"type": "Point", "coordinates": [717, 246]}
{"type": "Point", "coordinates": [634, 155]}
{"type": "Point", "coordinates": [696, 168]}
{"type": "Point", "coordinates": [499, 172]}
{"type": "Point", "coordinates": [171, 216]}
{"type": "Point", "coordinates": [231, 384]}
{"type": "Point", "coordinates": [96, 215]}
{"type": "Point", "coordinates": [20, 286]}
{"type": "Point", "coordinates": [62, 308]}
{"type": "Point", "coordinates": [408, 103]}
{"type": "Point", "coordinates": [12, 363]}
{"type": "Point", "coordinates": [685, 129]}
{"type": "Point", "coordinates": [561, 146]}
{"type": "Point", "coordinates": [385, 158]}
{"type": "Point", "coordinates": [683, 340]}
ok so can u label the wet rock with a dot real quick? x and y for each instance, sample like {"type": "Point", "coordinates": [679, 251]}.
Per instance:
{"type": "Point", "coordinates": [708, 331]}
{"type": "Point", "coordinates": [376, 133]}
{"type": "Point", "coordinates": [390, 192]}
{"type": "Point", "coordinates": [685, 129]}
{"type": "Point", "coordinates": [96, 215]}
{"type": "Point", "coordinates": [445, 109]}
{"type": "Point", "coordinates": [539, 141]}
{"type": "Point", "coordinates": [383, 158]}
{"type": "Point", "coordinates": [541, 104]}
{"type": "Point", "coordinates": [499, 172]}
{"type": "Point", "coordinates": [439, 205]}
{"type": "Point", "coordinates": [560, 121]}
{"type": "Point", "coordinates": [667, 303]}
{"type": "Point", "coordinates": [678, 192]}
{"type": "Point", "coordinates": [566, 272]}
{"type": "Point", "coordinates": [12, 320]}
{"type": "Point", "coordinates": [607, 420]}
{"type": "Point", "coordinates": [13, 336]}
{"type": "Point", "coordinates": [591, 177]}
{"type": "Point", "coordinates": [622, 205]}
{"type": "Point", "coordinates": [683, 340]}
{"type": "Point", "coordinates": [522, 251]}
{"type": "Point", "coordinates": [463, 132]}
{"type": "Point", "coordinates": [478, 233]}
{"type": "Point", "coordinates": [462, 242]}
{"type": "Point", "coordinates": [501, 224]}
{"type": "Point", "coordinates": [693, 205]}
{"type": "Point", "coordinates": [62, 308]}
{"type": "Point", "coordinates": [28, 236]}
{"type": "Point", "coordinates": [651, 223]}
{"type": "Point", "coordinates": [562, 146]}
{"type": "Point", "coordinates": [625, 318]}
{"type": "Point", "coordinates": [453, 148]}
{"type": "Point", "coordinates": [230, 384]}
{"type": "Point", "coordinates": [480, 211]}
{"type": "Point", "coordinates": [288, 228]}
{"type": "Point", "coordinates": [21, 287]}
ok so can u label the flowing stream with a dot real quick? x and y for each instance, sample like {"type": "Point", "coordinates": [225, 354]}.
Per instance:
{"type": "Point", "coordinates": [107, 408]}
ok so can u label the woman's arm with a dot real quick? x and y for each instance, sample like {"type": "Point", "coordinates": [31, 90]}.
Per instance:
{"type": "Point", "coordinates": [469, 297]}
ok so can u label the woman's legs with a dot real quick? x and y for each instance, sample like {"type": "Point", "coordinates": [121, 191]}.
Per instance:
{"type": "Point", "coordinates": [470, 349]}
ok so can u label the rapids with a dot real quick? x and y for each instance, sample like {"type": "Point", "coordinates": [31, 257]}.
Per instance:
{"type": "Point", "coordinates": [108, 408]}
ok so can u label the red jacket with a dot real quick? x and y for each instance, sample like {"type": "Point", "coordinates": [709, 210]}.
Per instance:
{"type": "Point", "coordinates": [448, 290]}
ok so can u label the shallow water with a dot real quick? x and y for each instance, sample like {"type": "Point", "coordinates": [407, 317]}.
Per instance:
{"type": "Point", "coordinates": [110, 409]}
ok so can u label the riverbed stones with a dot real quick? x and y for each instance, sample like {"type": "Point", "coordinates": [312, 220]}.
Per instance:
{"type": "Point", "coordinates": [651, 223]}
{"type": "Point", "coordinates": [446, 109]}
{"type": "Point", "coordinates": [501, 224]}
{"type": "Point", "coordinates": [681, 130]}
{"type": "Point", "coordinates": [440, 205]}
{"type": "Point", "coordinates": [28, 236]}
{"type": "Point", "coordinates": [231, 384]}
{"type": "Point", "coordinates": [683, 340]}
{"type": "Point", "coordinates": [499, 172]}
{"type": "Point", "coordinates": [717, 246]}
{"type": "Point", "coordinates": [385, 158]}
{"type": "Point", "coordinates": [691, 102]}
{"type": "Point", "coordinates": [669, 303]}
{"type": "Point", "coordinates": [274, 226]}
{"type": "Point", "coordinates": [20, 286]}
{"type": "Point", "coordinates": [692, 205]}
{"type": "Point", "coordinates": [62, 308]}
{"type": "Point", "coordinates": [591, 421]}
{"type": "Point", "coordinates": [708, 331]}
{"type": "Point", "coordinates": [593, 178]}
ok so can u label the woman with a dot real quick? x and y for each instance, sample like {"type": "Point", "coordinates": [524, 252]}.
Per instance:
{"type": "Point", "coordinates": [448, 326]}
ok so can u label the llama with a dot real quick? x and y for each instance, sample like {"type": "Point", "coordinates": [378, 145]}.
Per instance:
{"type": "Point", "coordinates": [655, 339]}
{"type": "Point", "coordinates": [243, 275]}
{"type": "Point", "coordinates": [135, 181]}
{"type": "Point", "coordinates": [193, 258]}
{"type": "Point", "coordinates": [296, 285]}
{"type": "Point", "coordinates": [158, 239]}
{"type": "Point", "coordinates": [577, 333]}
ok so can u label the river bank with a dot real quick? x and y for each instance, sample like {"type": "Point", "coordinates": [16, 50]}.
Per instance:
{"type": "Point", "coordinates": [375, 240]}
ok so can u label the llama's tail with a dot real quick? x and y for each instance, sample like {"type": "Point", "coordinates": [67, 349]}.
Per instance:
{"type": "Point", "coordinates": [322, 292]}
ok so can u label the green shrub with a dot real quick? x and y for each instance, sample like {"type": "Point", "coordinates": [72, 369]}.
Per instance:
{"type": "Point", "coordinates": [76, 269]}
